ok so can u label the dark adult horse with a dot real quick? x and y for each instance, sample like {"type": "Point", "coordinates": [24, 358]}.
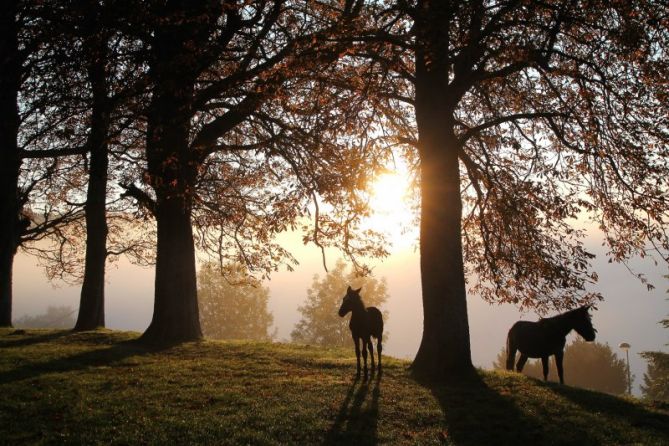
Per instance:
{"type": "Point", "coordinates": [365, 323]}
{"type": "Point", "coordinates": [546, 337]}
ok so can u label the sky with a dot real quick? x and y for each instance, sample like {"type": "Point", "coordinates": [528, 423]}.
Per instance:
{"type": "Point", "coordinates": [630, 313]}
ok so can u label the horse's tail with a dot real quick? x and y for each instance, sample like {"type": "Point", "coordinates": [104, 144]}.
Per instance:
{"type": "Point", "coordinates": [510, 351]}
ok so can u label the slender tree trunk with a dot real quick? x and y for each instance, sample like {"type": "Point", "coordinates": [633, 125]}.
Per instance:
{"type": "Point", "coordinates": [92, 302]}
{"type": "Point", "coordinates": [444, 351]}
{"type": "Point", "coordinates": [10, 160]}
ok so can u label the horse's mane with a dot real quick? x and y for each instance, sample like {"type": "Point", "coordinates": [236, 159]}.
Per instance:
{"type": "Point", "coordinates": [568, 314]}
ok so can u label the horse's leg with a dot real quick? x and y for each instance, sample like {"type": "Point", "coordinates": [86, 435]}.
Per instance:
{"type": "Point", "coordinates": [371, 352]}
{"type": "Point", "coordinates": [364, 356]}
{"type": "Point", "coordinates": [510, 353]}
{"type": "Point", "coordinates": [521, 362]}
{"type": "Point", "coordinates": [544, 365]}
{"type": "Point", "coordinates": [378, 351]}
{"type": "Point", "coordinates": [357, 352]}
{"type": "Point", "coordinates": [558, 362]}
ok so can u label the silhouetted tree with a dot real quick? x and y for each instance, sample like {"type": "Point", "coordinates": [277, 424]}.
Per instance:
{"type": "Point", "coordinates": [320, 324]}
{"type": "Point", "coordinates": [238, 145]}
{"type": "Point", "coordinates": [233, 305]}
{"type": "Point", "coordinates": [656, 379]}
{"type": "Point", "coordinates": [589, 365]}
{"type": "Point", "coordinates": [25, 35]}
{"type": "Point", "coordinates": [11, 223]}
{"type": "Point", "coordinates": [71, 98]}
{"type": "Point", "coordinates": [527, 115]}
{"type": "Point", "coordinates": [55, 317]}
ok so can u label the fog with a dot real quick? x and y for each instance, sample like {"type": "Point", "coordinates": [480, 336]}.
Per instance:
{"type": "Point", "coordinates": [629, 312]}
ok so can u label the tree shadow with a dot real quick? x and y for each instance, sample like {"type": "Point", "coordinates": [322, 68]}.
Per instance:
{"type": "Point", "coordinates": [475, 414]}
{"type": "Point", "coordinates": [9, 341]}
{"type": "Point", "coordinates": [356, 423]}
{"type": "Point", "coordinates": [81, 361]}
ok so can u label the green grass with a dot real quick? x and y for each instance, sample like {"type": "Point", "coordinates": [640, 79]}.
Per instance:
{"type": "Point", "coordinates": [101, 387]}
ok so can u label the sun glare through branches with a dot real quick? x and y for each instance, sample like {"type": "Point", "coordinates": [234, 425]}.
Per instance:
{"type": "Point", "coordinates": [391, 210]}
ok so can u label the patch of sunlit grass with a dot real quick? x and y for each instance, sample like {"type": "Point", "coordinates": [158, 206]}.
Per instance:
{"type": "Point", "coordinates": [104, 388]}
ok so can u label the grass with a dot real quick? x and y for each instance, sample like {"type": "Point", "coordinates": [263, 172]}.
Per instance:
{"type": "Point", "coordinates": [101, 387]}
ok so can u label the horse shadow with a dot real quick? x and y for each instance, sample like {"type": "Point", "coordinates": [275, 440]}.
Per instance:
{"type": "Point", "coordinates": [356, 423]}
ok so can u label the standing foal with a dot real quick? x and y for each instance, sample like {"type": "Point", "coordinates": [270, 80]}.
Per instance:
{"type": "Point", "coordinates": [365, 323]}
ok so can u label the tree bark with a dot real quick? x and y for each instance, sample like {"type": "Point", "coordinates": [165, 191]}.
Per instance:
{"type": "Point", "coordinates": [10, 159]}
{"type": "Point", "coordinates": [444, 351]}
{"type": "Point", "coordinates": [175, 311]}
{"type": "Point", "coordinates": [172, 170]}
{"type": "Point", "coordinates": [92, 301]}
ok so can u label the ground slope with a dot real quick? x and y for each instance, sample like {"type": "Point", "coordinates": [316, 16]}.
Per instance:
{"type": "Point", "coordinates": [101, 387]}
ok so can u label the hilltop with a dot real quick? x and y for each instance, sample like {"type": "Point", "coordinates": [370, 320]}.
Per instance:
{"type": "Point", "coordinates": [102, 387]}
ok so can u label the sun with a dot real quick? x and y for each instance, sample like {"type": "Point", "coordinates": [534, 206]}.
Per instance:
{"type": "Point", "coordinates": [391, 212]}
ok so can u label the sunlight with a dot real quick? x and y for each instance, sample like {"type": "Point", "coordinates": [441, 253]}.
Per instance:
{"type": "Point", "coordinates": [391, 212]}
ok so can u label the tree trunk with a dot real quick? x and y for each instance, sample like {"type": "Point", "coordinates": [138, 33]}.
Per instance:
{"type": "Point", "coordinates": [172, 170]}
{"type": "Point", "coordinates": [92, 302]}
{"type": "Point", "coordinates": [175, 311]}
{"type": "Point", "coordinates": [10, 160]}
{"type": "Point", "coordinates": [444, 351]}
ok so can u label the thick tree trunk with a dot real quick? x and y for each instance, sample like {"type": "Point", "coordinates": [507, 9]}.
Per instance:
{"type": "Point", "coordinates": [444, 351]}
{"type": "Point", "coordinates": [92, 302]}
{"type": "Point", "coordinates": [173, 170]}
{"type": "Point", "coordinates": [175, 311]}
{"type": "Point", "coordinates": [10, 160]}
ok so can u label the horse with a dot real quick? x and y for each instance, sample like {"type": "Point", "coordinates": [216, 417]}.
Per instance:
{"type": "Point", "coordinates": [366, 322]}
{"type": "Point", "coordinates": [547, 337]}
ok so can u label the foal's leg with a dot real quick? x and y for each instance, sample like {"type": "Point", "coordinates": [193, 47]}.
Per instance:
{"type": "Point", "coordinates": [371, 353]}
{"type": "Point", "coordinates": [521, 362]}
{"type": "Point", "coordinates": [364, 356]}
{"type": "Point", "coordinates": [357, 352]}
{"type": "Point", "coordinates": [558, 362]}
{"type": "Point", "coordinates": [544, 364]}
{"type": "Point", "coordinates": [378, 351]}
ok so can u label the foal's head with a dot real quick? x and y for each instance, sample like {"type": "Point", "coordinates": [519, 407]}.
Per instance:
{"type": "Point", "coordinates": [583, 323]}
{"type": "Point", "coordinates": [350, 301]}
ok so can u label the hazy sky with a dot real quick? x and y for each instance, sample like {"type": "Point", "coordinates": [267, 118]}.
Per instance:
{"type": "Point", "coordinates": [629, 313]}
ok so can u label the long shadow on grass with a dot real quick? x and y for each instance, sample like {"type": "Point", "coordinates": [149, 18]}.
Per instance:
{"type": "Point", "coordinates": [10, 340]}
{"type": "Point", "coordinates": [81, 361]}
{"type": "Point", "coordinates": [626, 412]}
{"type": "Point", "coordinates": [475, 414]}
{"type": "Point", "coordinates": [356, 423]}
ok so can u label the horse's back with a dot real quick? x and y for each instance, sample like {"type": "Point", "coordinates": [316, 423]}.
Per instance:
{"type": "Point", "coordinates": [534, 339]}
{"type": "Point", "coordinates": [375, 321]}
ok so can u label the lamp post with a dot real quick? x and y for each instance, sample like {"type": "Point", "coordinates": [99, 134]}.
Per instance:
{"type": "Point", "coordinates": [625, 346]}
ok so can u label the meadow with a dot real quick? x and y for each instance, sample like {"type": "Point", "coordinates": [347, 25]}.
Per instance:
{"type": "Point", "coordinates": [102, 387]}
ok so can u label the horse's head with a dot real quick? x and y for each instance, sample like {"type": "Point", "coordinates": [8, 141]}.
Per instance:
{"type": "Point", "coordinates": [349, 301]}
{"type": "Point", "coordinates": [583, 323]}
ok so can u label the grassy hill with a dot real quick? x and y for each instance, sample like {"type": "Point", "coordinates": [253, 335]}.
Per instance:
{"type": "Point", "coordinates": [57, 387]}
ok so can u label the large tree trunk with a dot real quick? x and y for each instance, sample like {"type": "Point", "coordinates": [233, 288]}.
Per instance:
{"type": "Point", "coordinates": [444, 351]}
{"type": "Point", "coordinates": [92, 302]}
{"type": "Point", "coordinates": [10, 160]}
{"type": "Point", "coordinates": [173, 169]}
{"type": "Point", "coordinates": [175, 311]}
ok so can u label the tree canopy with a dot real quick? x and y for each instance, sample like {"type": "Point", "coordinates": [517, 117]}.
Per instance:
{"type": "Point", "coordinates": [233, 305]}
